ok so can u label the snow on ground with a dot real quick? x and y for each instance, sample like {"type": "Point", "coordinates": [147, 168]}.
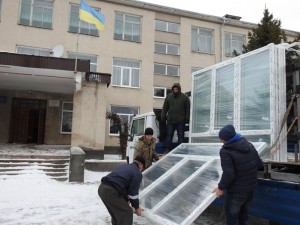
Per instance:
{"type": "Point", "coordinates": [33, 198]}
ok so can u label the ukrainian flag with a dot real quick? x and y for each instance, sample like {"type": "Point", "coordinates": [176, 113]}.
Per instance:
{"type": "Point", "coordinates": [90, 15]}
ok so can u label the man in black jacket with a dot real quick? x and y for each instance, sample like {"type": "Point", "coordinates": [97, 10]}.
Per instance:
{"type": "Point", "coordinates": [240, 162]}
{"type": "Point", "coordinates": [120, 187]}
{"type": "Point", "coordinates": [176, 111]}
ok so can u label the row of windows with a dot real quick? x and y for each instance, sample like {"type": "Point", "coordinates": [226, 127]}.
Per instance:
{"type": "Point", "coordinates": [39, 13]}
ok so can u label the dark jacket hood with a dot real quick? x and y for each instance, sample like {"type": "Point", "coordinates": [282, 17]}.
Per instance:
{"type": "Point", "coordinates": [177, 85]}
{"type": "Point", "coordinates": [240, 145]}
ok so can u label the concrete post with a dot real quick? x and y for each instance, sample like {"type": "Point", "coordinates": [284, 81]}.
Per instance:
{"type": "Point", "coordinates": [76, 167]}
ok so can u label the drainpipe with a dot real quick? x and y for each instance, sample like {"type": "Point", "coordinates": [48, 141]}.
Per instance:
{"type": "Point", "coordinates": [222, 39]}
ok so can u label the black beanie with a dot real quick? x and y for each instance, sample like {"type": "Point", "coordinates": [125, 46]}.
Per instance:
{"type": "Point", "coordinates": [149, 131]}
{"type": "Point", "coordinates": [227, 132]}
{"type": "Point", "coordinates": [141, 160]}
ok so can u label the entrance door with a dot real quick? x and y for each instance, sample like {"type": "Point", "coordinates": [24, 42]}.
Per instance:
{"type": "Point", "coordinates": [27, 123]}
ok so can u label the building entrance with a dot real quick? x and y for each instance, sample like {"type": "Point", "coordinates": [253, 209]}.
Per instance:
{"type": "Point", "coordinates": [27, 121]}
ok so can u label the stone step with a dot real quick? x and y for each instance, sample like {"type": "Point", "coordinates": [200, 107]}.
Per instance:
{"type": "Point", "coordinates": [34, 156]}
{"type": "Point", "coordinates": [26, 164]}
{"type": "Point", "coordinates": [38, 160]}
{"type": "Point", "coordinates": [6, 169]}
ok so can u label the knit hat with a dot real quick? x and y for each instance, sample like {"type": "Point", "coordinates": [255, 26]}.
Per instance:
{"type": "Point", "coordinates": [227, 132]}
{"type": "Point", "coordinates": [141, 160]}
{"type": "Point", "coordinates": [148, 131]}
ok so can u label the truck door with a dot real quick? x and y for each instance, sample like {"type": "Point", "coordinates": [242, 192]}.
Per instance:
{"type": "Point", "coordinates": [136, 131]}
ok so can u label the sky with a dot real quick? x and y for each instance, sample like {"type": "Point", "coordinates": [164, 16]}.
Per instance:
{"type": "Point", "coordinates": [250, 11]}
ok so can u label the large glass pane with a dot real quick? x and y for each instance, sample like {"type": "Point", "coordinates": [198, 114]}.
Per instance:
{"type": "Point", "coordinates": [165, 187]}
{"type": "Point", "coordinates": [224, 97]}
{"type": "Point", "coordinates": [201, 102]}
{"type": "Point", "coordinates": [192, 195]}
{"type": "Point", "coordinates": [255, 92]}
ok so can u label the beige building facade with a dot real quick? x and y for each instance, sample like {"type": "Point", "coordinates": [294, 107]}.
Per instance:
{"type": "Point", "coordinates": [144, 47]}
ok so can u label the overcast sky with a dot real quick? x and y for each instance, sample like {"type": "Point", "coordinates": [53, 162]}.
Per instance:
{"type": "Point", "coordinates": [250, 11]}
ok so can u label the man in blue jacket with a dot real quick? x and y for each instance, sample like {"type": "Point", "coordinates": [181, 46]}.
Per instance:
{"type": "Point", "coordinates": [121, 187]}
{"type": "Point", "coordinates": [240, 162]}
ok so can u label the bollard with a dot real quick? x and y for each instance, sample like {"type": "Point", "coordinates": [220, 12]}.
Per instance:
{"type": "Point", "coordinates": [76, 167]}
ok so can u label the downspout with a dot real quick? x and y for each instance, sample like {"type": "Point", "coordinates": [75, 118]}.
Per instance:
{"type": "Point", "coordinates": [222, 39]}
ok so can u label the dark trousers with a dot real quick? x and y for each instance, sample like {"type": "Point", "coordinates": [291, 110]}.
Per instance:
{"type": "Point", "coordinates": [171, 127]}
{"type": "Point", "coordinates": [236, 207]}
{"type": "Point", "coordinates": [117, 206]}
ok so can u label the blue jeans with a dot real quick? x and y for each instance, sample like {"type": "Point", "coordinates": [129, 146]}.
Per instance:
{"type": "Point", "coordinates": [236, 207]}
{"type": "Point", "coordinates": [171, 127]}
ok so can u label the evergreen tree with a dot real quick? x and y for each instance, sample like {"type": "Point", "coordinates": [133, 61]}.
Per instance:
{"type": "Point", "coordinates": [268, 31]}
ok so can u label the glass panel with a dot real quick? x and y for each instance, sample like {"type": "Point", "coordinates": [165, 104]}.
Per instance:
{"type": "Point", "coordinates": [160, 48]}
{"type": "Point", "coordinates": [160, 169]}
{"type": "Point", "coordinates": [66, 122]}
{"type": "Point", "coordinates": [159, 69]}
{"type": "Point", "coordinates": [68, 106]}
{"type": "Point", "coordinates": [201, 102]}
{"type": "Point", "coordinates": [172, 70]}
{"type": "Point", "coordinates": [165, 187]}
{"type": "Point", "coordinates": [192, 195]}
{"type": "Point", "coordinates": [224, 98]}
{"type": "Point", "coordinates": [255, 92]}
{"type": "Point", "coordinates": [137, 127]}
{"type": "Point", "coordinates": [159, 92]}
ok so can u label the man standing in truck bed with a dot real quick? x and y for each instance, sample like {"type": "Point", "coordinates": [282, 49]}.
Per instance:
{"type": "Point", "coordinates": [176, 111]}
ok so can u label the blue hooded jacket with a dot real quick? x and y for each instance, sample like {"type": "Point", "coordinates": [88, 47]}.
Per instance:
{"type": "Point", "coordinates": [240, 162]}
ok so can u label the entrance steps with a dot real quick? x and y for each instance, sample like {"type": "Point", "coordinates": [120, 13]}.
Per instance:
{"type": "Point", "coordinates": [55, 166]}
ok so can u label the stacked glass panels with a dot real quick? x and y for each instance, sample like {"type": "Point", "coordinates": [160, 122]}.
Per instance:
{"type": "Point", "coordinates": [178, 188]}
{"type": "Point", "coordinates": [247, 91]}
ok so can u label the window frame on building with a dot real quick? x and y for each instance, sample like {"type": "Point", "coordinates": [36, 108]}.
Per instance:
{"type": "Point", "coordinates": [0, 8]}
{"type": "Point", "coordinates": [130, 71]}
{"type": "Point", "coordinates": [200, 35]}
{"type": "Point", "coordinates": [74, 22]}
{"type": "Point", "coordinates": [124, 21]}
{"type": "Point", "coordinates": [69, 122]}
{"type": "Point", "coordinates": [166, 48]}
{"type": "Point", "coordinates": [33, 51]}
{"type": "Point", "coordinates": [167, 72]}
{"type": "Point", "coordinates": [31, 9]}
{"type": "Point", "coordinates": [165, 26]}
{"type": "Point", "coordinates": [164, 91]}
{"type": "Point", "coordinates": [92, 58]}
{"type": "Point", "coordinates": [229, 39]}
{"type": "Point", "coordinates": [124, 112]}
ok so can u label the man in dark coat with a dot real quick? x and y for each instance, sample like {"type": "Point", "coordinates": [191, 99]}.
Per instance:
{"type": "Point", "coordinates": [240, 162]}
{"type": "Point", "coordinates": [121, 187]}
{"type": "Point", "coordinates": [176, 111]}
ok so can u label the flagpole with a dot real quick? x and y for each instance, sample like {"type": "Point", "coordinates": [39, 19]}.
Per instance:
{"type": "Point", "coordinates": [76, 55]}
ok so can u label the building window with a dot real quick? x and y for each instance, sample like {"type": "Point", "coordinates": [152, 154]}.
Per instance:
{"type": "Point", "coordinates": [161, 92]}
{"type": "Point", "coordinates": [125, 114]}
{"type": "Point", "coordinates": [234, 42]}
{"type": "Point", "coordinates": [36, 13]}
{"type": "Point", "coordinates": [92, 58]}
{"type": "Point", "coordinates": [164, 69]}
{"type": "Point", "coordinates": [66, 119]}
{"type": "Point", "coordinates": [85, 28]}
{"type": "Point", "coordinates": [194, 69]}
{"type": "Point", "coordinates": [0, 8]}
{"type": "Point", "coordinates": [165, 48]}
{"type": "Point", "coordinates": [33, 51]}
{"type": "Point", "coordinates": [167, 26]}
{"type": "Point", "coordinates": [126, 73]}
{"type": "Point", "coordinates": [127, 27]}
{"type": "Point", "coordinates": [202, 40]}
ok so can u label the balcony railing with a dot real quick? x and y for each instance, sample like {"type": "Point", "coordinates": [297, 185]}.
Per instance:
{"type": "Point", "coordinates": [98, 77]}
